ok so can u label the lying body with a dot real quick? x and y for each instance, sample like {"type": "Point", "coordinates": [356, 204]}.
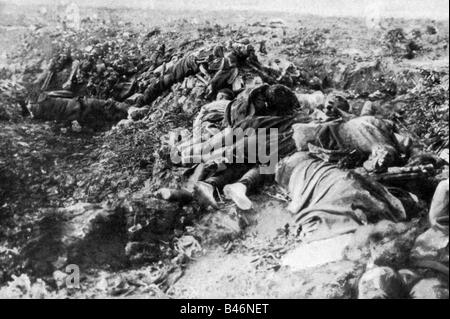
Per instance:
{"type": "Point", "coordinates": [329, 201]}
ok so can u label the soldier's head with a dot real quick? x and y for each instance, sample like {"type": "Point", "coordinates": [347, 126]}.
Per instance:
{"type": "Point", "coordinates": [281, 100]}
{"type": "Point", "coordinates": [334, 103]}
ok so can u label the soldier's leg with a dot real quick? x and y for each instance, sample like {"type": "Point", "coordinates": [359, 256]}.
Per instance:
{"type": "Point", "coordinates": [74, 69]}
{"type": "Point", "coordinates": [237, 192]}
{"type": "Point", "coordinates": [204, 190]}
{"type": "Point", "coordinates": [55, 108]}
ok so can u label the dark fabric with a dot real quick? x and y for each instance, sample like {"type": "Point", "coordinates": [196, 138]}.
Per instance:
{"type": "Point", "coordinates": [183, 68]}
{"type": "Point", "coordinates": [95, 110]}
{"type": "Point", "coordinates": [209, 120]}
{"type": "Point", "coordinates": [241, 55]}
{"type": "Point", "coordinates": [265, 100]}
{"type": "Point", "coordinates": [124, 90]}
{"type": "Point", "coordinates": [334, 200]}
{"type": "Point", "coordinates": [363, 134]}
{"type": "Point", "coordinates": [222, 79]}
{"type": "Point", "coordinates": [281, 142]}
{"type": "Point", "coordinates": [217, 64]}
{"type": "Point", "coordinates": [230, 175]}
{"type": "Point", "coordinates": [84, 110]}
{"type": "Point", "coordinates": [54, 108]}
{"type": "Point", "coordinates": [157, 58]}
{"type": "Point", "coordinates": [253, 179]}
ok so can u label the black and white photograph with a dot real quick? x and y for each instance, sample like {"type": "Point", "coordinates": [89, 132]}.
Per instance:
{"type": "Point", "coordinates": [224, 155]}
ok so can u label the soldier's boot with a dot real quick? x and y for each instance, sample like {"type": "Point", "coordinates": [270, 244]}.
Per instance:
{"type": "Point", "coordinates": [204, 193]}
{"type": "Point", "coordinates": [237, 193]}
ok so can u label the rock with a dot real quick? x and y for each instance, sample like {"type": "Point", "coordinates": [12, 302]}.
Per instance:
{"type": "Point", "coordinates": [60, 278]}
{"type": "Point", "coordinates": [444, 155]}
{"type": "Point", "coordinates": [383, 244]}
{"type": "Point", "coordinates": [316, 253]}
{"type": "Point", "coordinates": [136, 114]}
{"type": "Point", "coordinates": [432, 244]}
{"type": "Point", "coordinates": [82, 234]}
{"type": "Point", "coordinates": [331, 281]}
{"type": "Point", "coordinates": [380, 283]}
{"type": "Point", "coordinates": [430, 288]}
{"type": "Point", "coordinates": [22, 287]}
{"type": "Point", "coordinates": [124, 124]}
{"type": "Point", "coordinates": [133, 99]}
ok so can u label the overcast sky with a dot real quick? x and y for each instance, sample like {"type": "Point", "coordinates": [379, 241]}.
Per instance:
{"type": "Point", "coordinates": [398, 8]}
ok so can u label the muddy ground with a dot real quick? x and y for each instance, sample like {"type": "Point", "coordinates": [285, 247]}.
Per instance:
{"type": "Point", "coordinates": [127, 243]}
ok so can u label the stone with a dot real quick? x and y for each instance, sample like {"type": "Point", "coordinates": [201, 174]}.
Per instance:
{"type": "Point", "coordinates": [383, 244]}
{"type": "Point", "coordinates": [317, 253]}
{"type": "Point", "coordinates": [430, 245]}
{"type": "Point", "coordinates": [336, 280]}
{"type": "Point", "coordinates": [430, 288]}
{"type": "Point", "coordinates": [380, 283]}
{"type": "Point", "coordinates": [136, 114]}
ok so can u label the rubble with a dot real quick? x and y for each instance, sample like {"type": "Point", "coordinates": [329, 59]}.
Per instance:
{"type": "Point", "coordinates": [431, 288]}
{"type": "Point", "coordinates": [380, 283]}
{"type": "Point", "coordinates": [383, 244]}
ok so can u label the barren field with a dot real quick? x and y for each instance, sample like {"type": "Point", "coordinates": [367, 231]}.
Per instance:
{"type": "Point", "coordinates": [85, 196]}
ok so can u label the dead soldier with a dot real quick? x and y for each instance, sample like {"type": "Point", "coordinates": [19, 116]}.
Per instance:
{"type": "Point", "coordinates": [372, 138]}
{"type": "Point", "coordinates": [263, 107]}
{"type": "Point", "coordinates": [56, 98]}
{"type": "Point", "coordinates": [84, 110]}
{"type": "Point", "coordinates": [204, 61]}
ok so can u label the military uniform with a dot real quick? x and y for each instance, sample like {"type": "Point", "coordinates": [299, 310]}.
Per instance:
{"type": "Point", "coordinates": [83, 110]}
